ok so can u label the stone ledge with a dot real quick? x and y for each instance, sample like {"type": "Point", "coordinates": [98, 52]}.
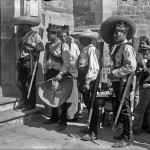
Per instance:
{"type": "Point", "coordinates": [9, 115]}
{"type": "Point", "coordinates": [7, 100]}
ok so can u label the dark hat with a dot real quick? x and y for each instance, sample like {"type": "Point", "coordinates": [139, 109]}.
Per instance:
{"type": "Point", "coordinates": [33, 21]}
{"type": "Point", "coordinates": [107, 27]}
{"type": "Point", "coordinates": [65, 27]}
{"type": "Point", "coordinates": [55, 94]}
{"type": "Point", "coordinates": [53, 28]}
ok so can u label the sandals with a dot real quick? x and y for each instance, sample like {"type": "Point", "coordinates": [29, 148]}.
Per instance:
{"type": "Point", "coordinates": [89, 137]}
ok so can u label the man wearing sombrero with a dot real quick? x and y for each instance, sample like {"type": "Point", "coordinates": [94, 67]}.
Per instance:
{"type": "Point", "coordinates": [88, 68]}
{"type": "Point", "coordinates": [116, 31]}
{"type": "Point", "coordinates": [29, 46]}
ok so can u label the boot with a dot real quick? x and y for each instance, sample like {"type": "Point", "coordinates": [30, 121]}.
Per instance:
{"type": "Point", "coordinates": [20, 104]}
{"type": "Point", "coordinates": [122, 143]}
{"type": "Point", "coordinates": [148, 130]}
{"type": "Point", "coordinates": [127, 128]}
{"type": "Point", "coordinates": [119, 137]}
{"type": "Point", "coordinates": [89, 137]}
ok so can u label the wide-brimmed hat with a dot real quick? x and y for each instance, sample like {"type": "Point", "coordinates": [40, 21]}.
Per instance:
{"type": "Point", "coordinates": [55, 93]}
{"type": "Point", "coordinates": [86, 33]}
{"type": "Point", "coordinates": [33, 21]}
{"type": "Point", "coordinates": [107, 27]}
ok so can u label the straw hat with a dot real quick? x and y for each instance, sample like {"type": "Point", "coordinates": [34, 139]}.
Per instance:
{"type": "Point", "coordinates": [86, 33]}
{"type": "Point", "coordinates": [34, 21]}
{"type": "Point", "coordinates": [55, 93]}
{"type": "Point", "coordinates": [107, 27]}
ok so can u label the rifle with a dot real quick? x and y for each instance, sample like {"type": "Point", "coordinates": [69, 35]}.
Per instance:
{"type": "Point", "coordinates": [41, 31]}
{"type": "Point", "coordinates": [100, 47]}
{"type": "Point", "coordinates": [33, 74]}
{"type": "Point", "coordinates": [132, 94]}
{"type": "Point", "coordinates": [128, 83]}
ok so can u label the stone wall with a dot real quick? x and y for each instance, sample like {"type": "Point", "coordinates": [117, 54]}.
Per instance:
{"type": "Point", "coordinates": [139, 11]}
{"type": "Point", "coordinates": [8, 71]}
{"type": "Point", "coordinates": [87, 14]}
{"type": "Point", "coordinates": [61, 6]}
{"type": "Point", "coordinates": [58, 12]}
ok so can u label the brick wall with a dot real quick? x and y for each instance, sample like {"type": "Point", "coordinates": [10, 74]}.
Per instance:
{"type": "Point", "coordinates": [139, 11]}
{"type": "Point", "coordinates": [87, 13]}
{"type": "Point", "coordinates": [62, 6]}
{"type": "Point", "coordinates": [58, 12]}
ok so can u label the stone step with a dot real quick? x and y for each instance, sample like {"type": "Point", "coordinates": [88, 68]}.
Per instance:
{"type": "Point", "coordinates": [7, 100]}
{"type": "Point", "coordinates": [10, 118]}
{"type": "Point", "coordinates": [7, 103]}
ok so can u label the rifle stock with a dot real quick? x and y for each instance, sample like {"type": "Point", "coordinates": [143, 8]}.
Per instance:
{"type": "Point", "coordinates": [128, 83]}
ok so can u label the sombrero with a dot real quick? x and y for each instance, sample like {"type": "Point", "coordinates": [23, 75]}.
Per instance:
{"type": "Point", "coordinates": [106, 28]}
{"type": "Point", "coordinates": [55, 93]}
{"type": "Point", "coordinates": [34, 21]}
{"type": "Point", "coordinates": [86, 33]}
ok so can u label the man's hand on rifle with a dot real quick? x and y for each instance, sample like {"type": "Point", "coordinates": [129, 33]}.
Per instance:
{"type": "Point", "coordinates": [58, 77]}
{"type": "Point", "coordinates": [30, 44]}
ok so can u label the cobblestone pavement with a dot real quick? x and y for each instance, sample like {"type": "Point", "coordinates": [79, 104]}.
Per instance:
{"type": "Point", "coordinates": [36, 135]}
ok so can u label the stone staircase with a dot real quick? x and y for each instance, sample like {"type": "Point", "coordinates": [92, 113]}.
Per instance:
{"type": "Point", "coordinates": [9, 116]}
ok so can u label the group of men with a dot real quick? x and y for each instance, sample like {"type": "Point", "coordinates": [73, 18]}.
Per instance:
{"type": "Point", "coordinates": [115, 31]}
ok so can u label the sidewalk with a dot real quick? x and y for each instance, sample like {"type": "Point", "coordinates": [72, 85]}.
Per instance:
{"type": "Point", "coordinates": [35, 135]}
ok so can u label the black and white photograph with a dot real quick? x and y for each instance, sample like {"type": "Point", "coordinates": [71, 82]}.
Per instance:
{"type": "Point", "coordinates": [74, 74]}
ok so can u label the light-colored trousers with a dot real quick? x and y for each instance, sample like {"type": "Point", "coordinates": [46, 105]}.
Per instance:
{"type": "Point", "coordinates": [73, 102]}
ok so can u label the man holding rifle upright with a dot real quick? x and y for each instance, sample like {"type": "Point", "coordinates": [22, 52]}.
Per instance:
{"type": "Point", "coordinates": [88, 68]}
{"type": "Point", "coordinates": [117, 31]}
{"type": "Point", "coordinates": [29, 48]}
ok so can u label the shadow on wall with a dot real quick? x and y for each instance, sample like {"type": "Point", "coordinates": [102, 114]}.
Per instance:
{"type": "Point", "coordinates": [8, 67]}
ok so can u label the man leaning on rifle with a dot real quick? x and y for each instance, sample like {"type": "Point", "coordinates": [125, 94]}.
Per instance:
{"type": "Point", "coordinates": [118, 30]}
